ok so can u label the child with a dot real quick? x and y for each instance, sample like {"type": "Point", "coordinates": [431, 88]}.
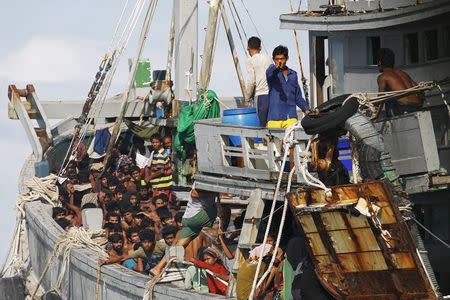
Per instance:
{"type": "Point", "coordinates": [195, 278]}
{"type": "Point", "coordinates": [217, 274]}
{"type": "Point", "coordinates": [159, 172]}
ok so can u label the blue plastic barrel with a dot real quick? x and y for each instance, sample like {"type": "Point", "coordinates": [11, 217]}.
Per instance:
{"type": "Point", "coordinates": [345, 152]}
{"type": "Point", "coordinates": [246, 116]}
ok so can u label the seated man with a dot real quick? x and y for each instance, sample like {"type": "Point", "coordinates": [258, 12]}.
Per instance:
{"type": "Point", "coordinates": [116, 253]}
{"type": "Point", "coordinates": [168, 234]}
{"type": "Point", "coordinates": [393, 79]}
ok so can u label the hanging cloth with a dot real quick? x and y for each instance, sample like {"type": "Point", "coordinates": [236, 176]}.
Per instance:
{"type": "Point", "coordinates": [102, 137]}
{"type": "Point", "coordinates": [207, 107]}
{"type": "Point", "coordinates": [144, 132]}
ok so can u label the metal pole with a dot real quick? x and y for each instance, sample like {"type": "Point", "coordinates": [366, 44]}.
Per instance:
{"type": "Point", "coordinates": [126, 94]}
{"type": "Point", "coordinates": [304, 81]}
{"type": "Point", "coordinates": [208, 49]}
{"type": "Point", "coordinates": [171, 42]}
{"type": "Point", "coordinates": [233, 52]}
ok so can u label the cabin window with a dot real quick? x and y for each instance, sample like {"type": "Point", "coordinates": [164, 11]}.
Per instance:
{"type": "Point", "coordinates": [446, 40]}
{"type": "Point", "coordinates": [412, 48]}
{"type": "Point", "coordinates": [373, 46]}
{"type": "Point", "coordinates": [431, 44]}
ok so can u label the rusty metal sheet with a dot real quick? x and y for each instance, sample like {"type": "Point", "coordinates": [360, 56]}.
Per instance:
{"type": "Point", "coordinates": [352, 259]}
{"type": "Point", "coordinates": [363, 261]}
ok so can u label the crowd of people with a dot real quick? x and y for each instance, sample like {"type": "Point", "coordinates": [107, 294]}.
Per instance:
{"type": "Point", "coordinates": [142, 218]}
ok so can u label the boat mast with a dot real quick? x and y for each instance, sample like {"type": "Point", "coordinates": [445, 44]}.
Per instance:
{"type": "Point", "coordinates": [237, 65]}
{"type": "Point", "coordinates": [208, 49]}
{"type": "Point", "coordinates": [126, 94]}
{"type": "Point", "coordinates": [186, 49]}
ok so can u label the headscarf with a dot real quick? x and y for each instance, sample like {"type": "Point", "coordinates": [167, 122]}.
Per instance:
{"type": "Point", "coordinates": [261, 250]}
{"type": "Point", "coordinates": [212, 252]}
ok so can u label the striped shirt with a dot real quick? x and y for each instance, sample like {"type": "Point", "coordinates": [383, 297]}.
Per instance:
{"type": "Point", "coordinates": [161, 162]}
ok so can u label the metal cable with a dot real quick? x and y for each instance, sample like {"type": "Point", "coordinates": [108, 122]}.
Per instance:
{"type": "Point", "coordinates": [254, 25]}
{"type": "Point", "coordinates": [237, 28]}
{"type": "Point", "coordinates": [431, 233]}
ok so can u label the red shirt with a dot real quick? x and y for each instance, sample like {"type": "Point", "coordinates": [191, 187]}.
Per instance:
{"type": "Point", "coordinates": [215, 286]}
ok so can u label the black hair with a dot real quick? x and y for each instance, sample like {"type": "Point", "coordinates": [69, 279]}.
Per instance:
{"type": "Point", "coordinates": [83, 176]}
{"type": "Point", "coordinates": [125, 207]}
{"type": "Point", "coordinates": [113, 182]}
{"type": "Point", "coordinates": [146, 222]}
{"type": "Point", "coordinates": [238, 222]}
{"type": "Point", "coordinates": [112, 206]}
{"type": "Point", "coordinates": [111, 214]}
{"type": "Point", "coordinates": [166, 230]}
{"type": "Point", "coordinates": [146, 235]}
{"type": "Point", "coordinates": [107, 193]}
{"type": "Point", "coordinates": [179, 216]}
{"type": "Point", "coordinates": [131, 230]}
{"type": "Point", "coordinates": [161, 196]}
{"type": "Point", "coordinates": [88, 205]}
{"type": "Point", "coordinates": [280, 50]}
{"type": "Point", "coordinates": [201, 252]}
{"type": "Point", "coordinates": [139, 216]}
{"type": "Point", "coordinates": [64, 223]}
{"type": "Point", "coordinates": [129, 194]}
{"type": "Point", "coordinates": [386, 57]}
{"type": "Point", "coordinates": [254, 43]}
{"type": "Point", "coordinates": [114, 227]}
{"type": "Point", "coordinates": [156, 136]}
{"type": "Point", "coordinates": [56, 211]}
{"type": "Point", "coordinates": [114, 238]}
{"type": "Point", "coordinates": [134, 169]}
{"type": "Point", "coordinates": [163, 213]}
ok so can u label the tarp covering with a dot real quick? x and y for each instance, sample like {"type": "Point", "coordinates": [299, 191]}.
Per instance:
{"type": "Point", "coordinates": [207, 107]}
{"type": "Point", "coordinates": [142, 131]}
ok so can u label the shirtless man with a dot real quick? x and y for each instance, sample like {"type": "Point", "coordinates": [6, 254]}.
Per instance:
{"type": "Point", "coordinates": [392, 79]}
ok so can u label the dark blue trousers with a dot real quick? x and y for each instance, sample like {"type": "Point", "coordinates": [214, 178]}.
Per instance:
{"type": "Point", "coordinates": [262, 107]}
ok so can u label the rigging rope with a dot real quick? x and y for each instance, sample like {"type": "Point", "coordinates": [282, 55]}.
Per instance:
{"type": "Point", "coordinates": [239, 19]}
{"type": "Point", "coordinates": [237, 28]}
{"type": "Point", "coordinates": [431, 233]}
{"type": "Point", "coordinates": [254, 25]}
{"type": "Point", "coordinates": [288, 141]}
{"type": "Point", "coordinates": [97, 105]}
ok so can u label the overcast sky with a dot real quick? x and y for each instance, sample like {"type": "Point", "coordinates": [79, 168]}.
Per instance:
{"type": "Point", "coordinates": [57, 46]}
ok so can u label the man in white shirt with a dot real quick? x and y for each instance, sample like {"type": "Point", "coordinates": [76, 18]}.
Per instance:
{"type": "Point", "coordinates": [257, 87]}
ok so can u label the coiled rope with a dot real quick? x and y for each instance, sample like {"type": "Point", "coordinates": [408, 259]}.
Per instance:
{"type": "Point", "coordinates": [43, 189]}
{"type": "Point", "coordinates": [75, 238]}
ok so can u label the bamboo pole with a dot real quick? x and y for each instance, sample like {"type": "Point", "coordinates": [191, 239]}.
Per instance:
{"type": "Point", "coordinates": [126, 94]}
{"type": "Point", "coordinates": [237, 66]}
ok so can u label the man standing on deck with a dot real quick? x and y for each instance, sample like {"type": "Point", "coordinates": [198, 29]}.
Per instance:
{"type": "Point", "coordinates": [257, 88]}
{"type": "Point", "coordinates": [284, 91]}
{"type": "Point", "coordinates": [393, 79]}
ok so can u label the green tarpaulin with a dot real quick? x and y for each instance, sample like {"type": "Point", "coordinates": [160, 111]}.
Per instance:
{"type": "Point", "coordinates": [207, 107]}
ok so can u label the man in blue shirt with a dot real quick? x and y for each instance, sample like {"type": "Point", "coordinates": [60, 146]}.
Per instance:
{"type": "Point", "coordinates": [284, 91]}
